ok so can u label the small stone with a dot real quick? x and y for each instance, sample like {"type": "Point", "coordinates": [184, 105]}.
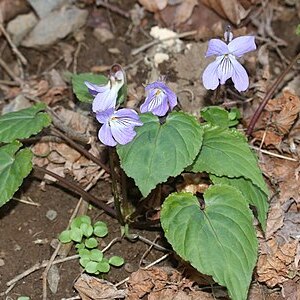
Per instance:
{"type": "Point", "coordinates": [114, 51]}
{"type": "Point", "coordinates": [159, 58]}
{"type": "Point", "coordinates": [103, 34]}
{"type": "Point", "coordinates": [43, 8]}
{"type": "Point", "coordinates": [19, 27]}
{"type": "Point", "coordinates": [129, 268]}
{"type": "Point", "coordinates": [17, 247]}
{"type": "Point", "coordinates": [57, 25]}
{"type": "Point", "coordinates": [2, 262]}
{"type": "Point", "coordinates": [51, 214]}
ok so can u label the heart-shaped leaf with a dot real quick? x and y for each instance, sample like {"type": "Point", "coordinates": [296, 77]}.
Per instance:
{"type": "Point", "coordinates": [253, 194]}
{"type": "Point", "coordinates": [14, 167]}
{"type": "Point", "coordinates": [23, 123]}
{"type": "Point", "coordinates": [226, 153]}
{"type": "Point", "coordinates": [160, 150]}
{"type": "Point", "coordinates": [218, 240]}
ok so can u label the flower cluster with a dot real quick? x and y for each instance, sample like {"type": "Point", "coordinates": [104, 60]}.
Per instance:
{"type": "Point", "coordinates": [226, 64]}
{"type": "Point", "coordinates": [118, 125]}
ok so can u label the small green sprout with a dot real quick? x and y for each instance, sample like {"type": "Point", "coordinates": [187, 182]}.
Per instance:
{"type": "Point", "coordinates": [85, 235]}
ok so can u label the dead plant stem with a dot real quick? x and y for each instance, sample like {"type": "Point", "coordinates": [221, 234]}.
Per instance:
{"type": "Point", "coordinates": [269, 94]}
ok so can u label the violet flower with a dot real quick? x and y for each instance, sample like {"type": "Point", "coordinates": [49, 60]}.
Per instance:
{"type": "Point", "coordinates": [160, 98]}
{"type": "Point", "coordinates": [118, 126]}
{"type": "Point", "coordinates": [106, 94]}
{"type": "Point", "coordinates": [226, 64]}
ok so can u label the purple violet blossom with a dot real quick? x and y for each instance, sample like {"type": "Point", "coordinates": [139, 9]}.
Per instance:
{"type": "Point", "coordinates": [226, 64]}
{"type": "Point", "coordinates": [160, 98]}
{"type": "Point", "coordinates": [118, 126]}
{"type": "Point", "coordinates": [106, 94]}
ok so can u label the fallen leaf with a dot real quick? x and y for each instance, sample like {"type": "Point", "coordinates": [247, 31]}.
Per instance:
{"type": "Point", "coordinates": [275, 218]}
{"type": "Point", "coordinates": [276, 262]}
{"type": "Point", "coordinates": [154, 5]}
{"type": "Point", "coordinates": [11, 8]}
{"type": "Point", "coordinates": [184, 11]}
{"type": "Point", "coordinates": [92, 288]}
{"type": "Point", "coordinates": [291, 289]}
{"type": "Point", "coordinates": [233, 10]}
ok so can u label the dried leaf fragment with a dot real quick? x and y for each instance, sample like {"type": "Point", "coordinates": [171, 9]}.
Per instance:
{"type": "Point", "coordinates": [154, 5]}
{"type": "Point", "coordinates": [184, 11]}
{"type": "Point", "coordinates": [276, 263]}
{"type": "Point", "coordinates": [92, 288]}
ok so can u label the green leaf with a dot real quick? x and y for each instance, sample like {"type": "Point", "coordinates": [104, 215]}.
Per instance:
{"type": "Point", "coordinates": [96, 255]}
{"type": "Point", "coordinates": [215, 115]}
{"type": "Point", "coordinates": [219, 240]}
{"type": "Point", "coordinates": [23, 123]}
{"type": "Point", "coordinates": [76, 235]}
{"type": "Point", "coordinates": [81, 90]}
{"type": "Point", "coordinates": [116, 261]}
{"type": "Point", "coordinates": [84, 261]}
{"type": "Point", "coordinates": [15, 165]}
{"type": "Point", "coordinates": [80, 246]}
{"type": "Point", "coordinates": [160, 150]}
{"type": "Point", "coordinates": [103, 267]}
{"type": "Point", "coordinates": [86, 229]}
{"type": "Point", "coordinates": [91, 267]}
{"type": "Point", "coordinates": [226, 153]}
{"type": "Point", "coordinates": [76, 223]}
{"type": "Point", "coordinates": [65, 237]}
{"type": "Point", "coordinates": [100, 229]}
{"type": "Point", "coordinates": [23, 298]}
{"type": "Point", "coordinates": [251, 193]}
{"type": "Point", "coordinates": [91, 243]}
{"type": "Point", "coordinates": [84, 253]}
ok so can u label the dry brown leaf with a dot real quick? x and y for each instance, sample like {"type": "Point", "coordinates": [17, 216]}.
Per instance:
{"type": "Point", "coordinates": [275, 218]}
{"type": "Point", "coordinates": [276, 262]}
{"type": "Point", "coordinates": [55, 94]}
{"type": "Point", "coordinates": [92, 288]}
{"type": "Point", "coordinates": [66, 151]}
{"type": "Point", "coordinates": [233, 10]}
{"type": "Point", "coordinates": [184, 11]}
{"type": "Point", "coordinates": [192, 183]}
{"type": "Point", "coordinates": [154, 5]}
{"type": "Point", "coordinates": [156, 279]}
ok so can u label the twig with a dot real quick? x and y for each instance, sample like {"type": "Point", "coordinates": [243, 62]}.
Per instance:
{"type": "Point", "coordinates": [147, 267]}
{"type": "Point", "coordinates": [155, 42]}
{"type": "Point", "coordinates": [78, 190]}
{"type": "Point", "coordinates": [9, 71]}
{"type": "Point", "coordinates": [75, 60]}
{"type": "Point", "coordinates": [13, 46]}
{"type": "Point", "coordinates": [269, 94]}
{"type": "Point", "coordinates": [273, 154]}
{"type": "Point", "coordinates": [10, 83]}
{"type": "Point", "coordinates": [55, 262]}
{"type": "Point", "coordinates": [81, 150]}
{"type": "Point", "coordinates": [26, 201]}
{"type": "Point", "coordinates": [113, 8]}
{"type": "Point", "coordinates": [148, 251]}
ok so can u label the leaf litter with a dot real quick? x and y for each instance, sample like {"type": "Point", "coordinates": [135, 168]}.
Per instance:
{"type": "Point", "coordinates": [279, 131]}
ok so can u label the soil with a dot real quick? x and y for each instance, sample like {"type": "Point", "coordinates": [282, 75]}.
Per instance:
{"type": "Point", "coordinates": [26, 233]}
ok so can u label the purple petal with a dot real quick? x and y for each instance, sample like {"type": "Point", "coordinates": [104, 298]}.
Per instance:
{"type": "Point", "coordinates": [122, 134]}
{"type": "Point", "coordinates": [216, 47]}
{"type": "Point", "coordinates": [103, 117]}
{"type": "Point", "coordinates": [156, 85]}
{"type": "Point", "coordinates": [105, 135]}
{"type": "Point", "coordinates": [95, 89]}
{"type": "Point", "coordinates": [172, 97]}
{"type": "Point", "coordinates": [225, 69]}
{"type": "Point", "coordinates": [129, 115]}
{"type": "Point", "coordinates": [105, 100]}
{"type": "Point", "coordinates": [241, 45]}
{"type": "Point", "coordinates": [240, 77]}
{"type": "Point", "coordinates": [210, 76]}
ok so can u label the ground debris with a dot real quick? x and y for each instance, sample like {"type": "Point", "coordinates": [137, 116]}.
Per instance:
{"type": "Point", "coordinates": [162, 283]}
{"type": "Point", "coordinates": [92, 288]}
{"type": "Point", "coordinates": [278, 118]}
{"type": "Point", "coordinates": [276, 263]}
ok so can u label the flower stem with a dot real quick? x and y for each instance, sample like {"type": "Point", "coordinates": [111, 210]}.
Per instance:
{"type": "Point", "coordinates": [78, 190]}
{"type": "Point", "coordinates": [269, 94]}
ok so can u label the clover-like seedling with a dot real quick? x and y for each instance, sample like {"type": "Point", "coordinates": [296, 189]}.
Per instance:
{"type": "Point", "coordinates": [85, 235]}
